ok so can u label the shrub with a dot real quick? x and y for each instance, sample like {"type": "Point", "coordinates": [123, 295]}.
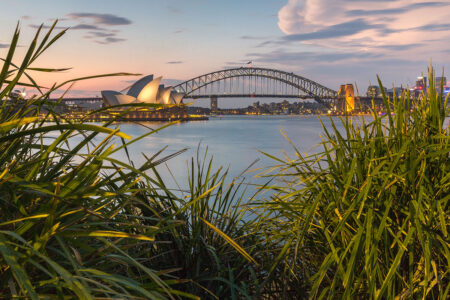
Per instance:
{"type": "Point", "coordinates": [367, 216]}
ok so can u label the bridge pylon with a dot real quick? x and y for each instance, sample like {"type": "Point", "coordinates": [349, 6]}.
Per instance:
{"type": "Point", "coordinates": [346, 98]}
{"type": "Point", "coordinates": [214, 107]}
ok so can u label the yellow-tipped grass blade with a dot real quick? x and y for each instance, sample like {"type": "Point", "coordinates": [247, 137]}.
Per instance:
{"type": "Point", "coordinates": [230, 241]}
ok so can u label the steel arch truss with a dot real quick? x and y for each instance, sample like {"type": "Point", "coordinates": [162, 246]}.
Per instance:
{"type": "Point", "coordinates": [309, 87]}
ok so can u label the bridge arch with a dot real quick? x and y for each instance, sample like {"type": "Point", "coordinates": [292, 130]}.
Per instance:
{"type": "Point", "coordinates": [311, 88]}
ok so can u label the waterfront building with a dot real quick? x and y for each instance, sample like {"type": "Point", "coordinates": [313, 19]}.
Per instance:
{"type": "Point", "coordinates": [373, 91]}
{"type": "Point", "coordinates": [145, 90]}
{"type": "Point", "coordinates": [421, 86]}
{"type": "Point", "coordinates": [397, 90]}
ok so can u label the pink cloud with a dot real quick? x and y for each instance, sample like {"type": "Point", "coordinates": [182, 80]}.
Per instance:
{"type": "Point", "coordinates": [328, 23]}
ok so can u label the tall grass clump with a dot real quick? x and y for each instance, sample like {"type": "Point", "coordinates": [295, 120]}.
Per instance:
{"type": "Point", "coordinates": [211, 243]}
{"type": "Point", "coordinates": [78, 222]}
{"type": "Point", "coordinates": [63, 231]}
{"type": "Point", "coordinates": [367, 216]}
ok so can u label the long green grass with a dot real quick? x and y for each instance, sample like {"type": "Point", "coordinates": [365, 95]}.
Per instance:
{"type": "Point", "coordinates": [76, 222]}
{"type": "Point", "coordinates": [366, 217]}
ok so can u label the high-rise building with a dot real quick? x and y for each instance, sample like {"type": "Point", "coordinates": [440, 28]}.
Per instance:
{"type": "Point", "coordinates": [373, 91]}
{"type": "Point", "coordinates": [421, 84]}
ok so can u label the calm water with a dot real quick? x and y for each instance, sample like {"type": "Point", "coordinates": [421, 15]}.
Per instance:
{"type": "Point", "coordinates": [233, 141]}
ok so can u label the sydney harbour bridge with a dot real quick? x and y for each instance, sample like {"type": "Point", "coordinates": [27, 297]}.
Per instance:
{"type": "Point", "coordinates": [257, 83]}
{"type": "Point", "coordinates": [251, 82]}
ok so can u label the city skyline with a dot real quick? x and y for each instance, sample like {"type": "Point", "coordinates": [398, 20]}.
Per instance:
{"type": "Point", "coordinates": [331, 42]}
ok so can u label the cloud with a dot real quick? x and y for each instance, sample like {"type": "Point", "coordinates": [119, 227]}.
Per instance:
{"type": "Point", "coordinates": [110, 40]}
{"type": "Point", "coordinates": [102, 19]}
{"type": "Point", "coordinates": [34, 26]}
{"type": "Point", "coordinates": [101, 34]}
{"type": "Point", "coordinates": [175, 62]}
{"type": "Point", "coordinates": [97, 26]}
{"type": "Point", "coordinates": [340, 41]}
{"type": "Point", "coordinates": [337, 30]}
{"type": "Point", "coordinates": [250, 37]}
{"type": "Point", "coordinates": [397, 10]}
{"type": "Point", "coordinates": [4, 45]}
{"type": "Point", "coordinates": [293, 58]}
{"type": "Point", "coordinates": [392, 28]}
{"type": "Point", "coordinates": [86, 27]}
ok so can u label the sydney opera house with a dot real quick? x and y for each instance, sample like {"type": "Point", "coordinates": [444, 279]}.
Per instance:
{"type": "Point", "coordinates": [145, 90]}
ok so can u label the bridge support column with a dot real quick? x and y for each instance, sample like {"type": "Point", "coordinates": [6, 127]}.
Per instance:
{"type": "Point", "coordinates": [214, 106]}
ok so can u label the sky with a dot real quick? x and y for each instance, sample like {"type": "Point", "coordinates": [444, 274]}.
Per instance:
{"type": "Point", "coordinates": [329, 41]}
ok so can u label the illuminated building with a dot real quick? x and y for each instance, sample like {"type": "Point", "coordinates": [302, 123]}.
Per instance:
{"type": "Point", "coordinates": [145, 90]}
{"type": "Point", "coordinates": [373, 91]}
{"type": "Point", "coordinates": [421, 86]}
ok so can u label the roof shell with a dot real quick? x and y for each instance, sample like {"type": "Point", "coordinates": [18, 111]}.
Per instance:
{"type": "Point", "coordinates": [137, 87]}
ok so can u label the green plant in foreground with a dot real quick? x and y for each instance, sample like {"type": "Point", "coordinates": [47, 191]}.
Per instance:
{"type": "Point", "coordinates": [367, 217]}
{"type": "Point", "coordinates": [62, 231]}
{"type": "Point", "coordinates": [203, 249]}
{"type": "Point", "coordinates": [76, 222]}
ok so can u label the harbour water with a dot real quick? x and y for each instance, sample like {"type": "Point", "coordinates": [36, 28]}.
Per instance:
{"type": "Point", "coordinates": [234, 142]}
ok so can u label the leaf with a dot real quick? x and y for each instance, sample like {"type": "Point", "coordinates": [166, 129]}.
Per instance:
{"type": "Point", "coordinates": [230, 241]}
{"type": "Point", "coordinates": [108, 233]}
{"type": "Point", "coordinates": [11, 258]}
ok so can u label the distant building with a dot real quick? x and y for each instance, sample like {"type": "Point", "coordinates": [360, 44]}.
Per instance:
{"type": "Point", "coordinates": [373, 91]}
{"type": "Point", "coordinates": [397, 90]}
{"type": "Point", "coordinates": [145, 90]}
{"type": "Point", "coordinates": [285, 105]}
{"type": "Point", "coordinates": [421, 86]}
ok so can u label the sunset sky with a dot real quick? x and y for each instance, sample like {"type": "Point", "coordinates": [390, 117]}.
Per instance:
{"type": "Point", "coordinates": [329, 41]}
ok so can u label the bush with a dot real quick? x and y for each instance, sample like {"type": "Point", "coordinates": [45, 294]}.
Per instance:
{"type": "Point", "coordinates": [75, 222]}
{"type": "Point", "coordinates": [368, 216]}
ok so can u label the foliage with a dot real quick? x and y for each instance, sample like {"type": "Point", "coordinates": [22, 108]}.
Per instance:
{"type": "Point", "coordinates": [213, 229]}
{"type": "Point", "coordinates": [76, 222]}
{"type": "Point", "coordinates": [367, 216]}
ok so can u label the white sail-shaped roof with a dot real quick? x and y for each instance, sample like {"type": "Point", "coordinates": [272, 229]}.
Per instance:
{"type": "Point", "coordinates": [109, 97]}
{"type": "Point", "coordinates": [115, 98]}
{"type": "Point", "coordinates": [164, 95]}
{"type": "Point", "coordinates": [147, 90]}
{"type": "Point", "coordinates": [150, 91]}
{"type": "Point", "coordinates": [126, 99]}
{"type": "Point", "coordinates": [177, 97]}
{"type": "Point", "coordinates": [137, 87]}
